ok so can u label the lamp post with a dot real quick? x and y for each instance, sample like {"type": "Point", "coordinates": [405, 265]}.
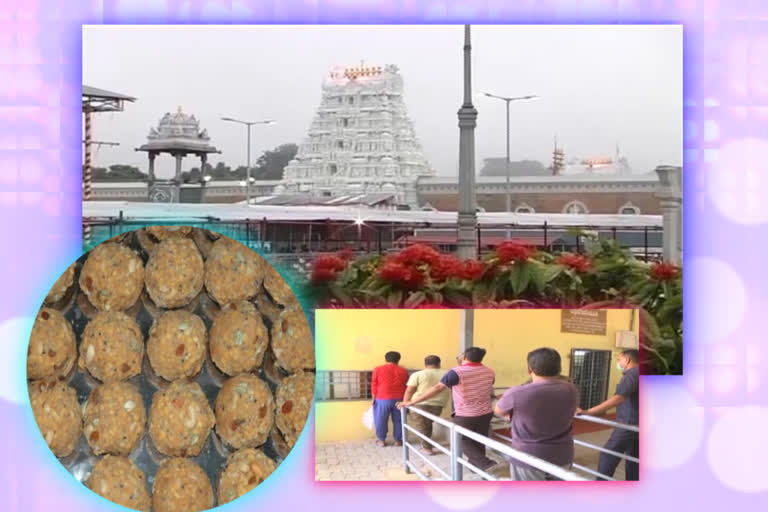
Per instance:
{"type": "Point", "coordinates": [508, 100]}
{"type": "Point", "coordinates": [248, 157]}
{"type": "Point", "coordinates": [466, 240]}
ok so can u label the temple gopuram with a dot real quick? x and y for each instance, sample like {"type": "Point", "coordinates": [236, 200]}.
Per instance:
{"type": "Point", "coordinates": [360, 143]}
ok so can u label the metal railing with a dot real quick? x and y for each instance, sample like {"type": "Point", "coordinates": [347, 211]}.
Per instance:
{"type": "Point", "coordinates": [457, 464]}
{"type": "Point", "coordinates": [594, 419]}
{"type": "Point", "coordinates": [454, 451]}
{"type": "Point", "coordinates": [273, 236]}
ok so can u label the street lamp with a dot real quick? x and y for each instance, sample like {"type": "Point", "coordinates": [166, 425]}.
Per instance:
{"type": "Point", "coordinates": [466, 236]}
{"type": "Point", "coordinates": [248, 163]}
{"type": "Point", "coordinates": [508, 100]}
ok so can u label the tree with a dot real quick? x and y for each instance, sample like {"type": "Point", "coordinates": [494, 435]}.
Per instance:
{"type": "Point", "coordinates": [498, 167]}
{"type": "Point", "coordinates": [270, 165]}
{"type": "Point", "coordinates": [117, 173]}
{"type": "Point", "coordinates": [191, 176]}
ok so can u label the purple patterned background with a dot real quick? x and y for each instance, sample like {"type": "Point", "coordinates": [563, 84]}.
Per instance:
{"type": "Point", "coordinates": [703, 434]}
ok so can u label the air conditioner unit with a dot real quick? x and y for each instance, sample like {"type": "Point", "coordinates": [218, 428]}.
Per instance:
{"type": "Point", "coordinates": [626, 339]}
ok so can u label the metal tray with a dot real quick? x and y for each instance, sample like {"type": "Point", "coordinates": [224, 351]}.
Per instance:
{"type": "Point", "coordinates": [76, 309]}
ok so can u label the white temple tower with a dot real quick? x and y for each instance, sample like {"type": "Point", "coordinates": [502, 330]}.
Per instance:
{"type": "Point", "coordinates": [361, 140]}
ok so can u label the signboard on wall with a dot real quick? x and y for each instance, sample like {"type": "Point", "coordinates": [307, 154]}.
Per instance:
{"type": "Point", "coordinates": [583, 321]}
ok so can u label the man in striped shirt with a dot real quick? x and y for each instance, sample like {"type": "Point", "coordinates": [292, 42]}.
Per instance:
{"type": "Point", "coordinates": [471, 384]}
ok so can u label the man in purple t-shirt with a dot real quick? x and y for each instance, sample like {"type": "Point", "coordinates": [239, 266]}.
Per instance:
{"type": "Point", "coordinates": [541, 414]}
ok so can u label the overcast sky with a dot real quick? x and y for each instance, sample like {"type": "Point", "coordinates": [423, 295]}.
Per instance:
{"type": "Point", "coordinates": [598, 86]}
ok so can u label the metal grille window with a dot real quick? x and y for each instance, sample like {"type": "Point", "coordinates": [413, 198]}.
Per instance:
{"type": "Point", "coordinates": [343, 385]}
{"type": "Point", "coordinates": [590, 370]}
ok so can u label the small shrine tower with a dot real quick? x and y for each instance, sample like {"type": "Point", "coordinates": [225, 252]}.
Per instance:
{"type": "Point", "coordinates": [558, 159]}
{"type": "Point", "coordinates": [178, 134]}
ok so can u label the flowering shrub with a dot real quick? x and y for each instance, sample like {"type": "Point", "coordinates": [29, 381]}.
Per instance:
{"type": "Point", "coordinates": [325, 268]}
{"type": "Point", "coordinates": [515, 276]}
{"type": "Point", "coordinates": [577, 262]}
{"type": "Point", "coordinates": [511, 251]}
{"type": "Point", "coordinates": [401, 275]}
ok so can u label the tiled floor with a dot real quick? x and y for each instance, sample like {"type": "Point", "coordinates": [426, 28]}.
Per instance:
{"type": "Point", "coordinates": [364, 461]}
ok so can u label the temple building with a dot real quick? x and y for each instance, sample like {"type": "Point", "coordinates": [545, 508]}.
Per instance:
{"type": "Point", "coordinates": [601, 184]}
{"type": "Point", "coordinates": [361, 141]}
{"type": "Point", "coordinates": [178, 134]}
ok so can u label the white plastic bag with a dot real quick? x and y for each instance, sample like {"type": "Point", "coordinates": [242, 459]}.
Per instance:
{"type": "Point", "coordinates": [368, 418]}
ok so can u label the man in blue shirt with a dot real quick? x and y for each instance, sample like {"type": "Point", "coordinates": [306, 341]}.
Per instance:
{"type": "Point", "coordinates": [626, 402]}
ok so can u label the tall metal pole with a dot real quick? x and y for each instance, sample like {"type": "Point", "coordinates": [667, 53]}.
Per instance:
{"type": "Point", "coordinates": [403, 418]}
{"type": "Point", "coordinates": [467, 215]}
{"type": "Point", "coordinates": [248, 124]}
{"type": "Point", "coordinates": [248, 170]}
{"type": "Point", "coordinates": [508, 189]}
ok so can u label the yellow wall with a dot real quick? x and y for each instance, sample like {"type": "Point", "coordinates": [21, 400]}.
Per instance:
{"type": "Point", "coordinates": [357, 339]}
{"type": "Point", "coordinates": [509, 334]}
{"type": "Point", "coordinates": [354, 339]}
{"type": "Point", "coordinates": [341, 420]}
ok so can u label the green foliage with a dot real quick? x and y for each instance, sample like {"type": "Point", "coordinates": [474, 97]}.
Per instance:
{"type": "Point", "coordinates": [612, 278]}
{"type": "Point", "coordinates": [116, 173]}
{"type": "Point", "coordinates": [268, 166]}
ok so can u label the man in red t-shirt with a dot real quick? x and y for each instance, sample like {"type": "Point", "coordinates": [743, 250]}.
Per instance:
{"type": "Point", "coordinates": [387, 388]}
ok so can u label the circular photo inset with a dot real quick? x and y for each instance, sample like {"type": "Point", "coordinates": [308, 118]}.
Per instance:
{"type": "Point", "coordinates": [171, 368]}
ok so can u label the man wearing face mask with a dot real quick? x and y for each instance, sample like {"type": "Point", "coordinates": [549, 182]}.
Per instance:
{"type": "Point", "coordinates": [626, 402]}
{"type": "Point", "coordinates": [541, 415]}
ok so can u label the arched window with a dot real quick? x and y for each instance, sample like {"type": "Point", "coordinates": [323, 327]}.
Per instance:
{"type": "Point", "coordinates": [629, 209]}
{"type": "Point", "coordinates": [524, 208]}
{"type": "Point", "coordinates": [575, 207]}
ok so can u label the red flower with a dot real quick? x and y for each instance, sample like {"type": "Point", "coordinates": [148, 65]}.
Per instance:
{"type": "Point", "coordinates": [322, 275]}
{"type": "Point", "coordinates": [345, 254]}
{"type": "Point", "coordinates": [512, 251]}
{"type": "Point", "coordinates": [401, 275]}
{"type": "Point", "coordinates": [471, 270]}
{"type": "Point", "coordinates": [444, 267]}
{"type": "Point", "coordinates": [664, 271]}
{"type": "Point", "coordinates": [329, 262]}
{"type": "Point", "coordinates": [325, 267]}
{"type": "Point", "coordinates": [577, 262]}
{"type": "Point", "coordinates": [417, 254]}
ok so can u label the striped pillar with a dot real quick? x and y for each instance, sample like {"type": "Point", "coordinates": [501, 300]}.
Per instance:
{"type": "Point", "coordinates": [87, 174]}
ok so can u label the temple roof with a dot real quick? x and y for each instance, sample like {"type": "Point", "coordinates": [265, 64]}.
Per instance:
{"type": "Point", "coordinates": [183, 212]}
{"type": "Point", "coordinates": [178, 132]}
{"type": "Point", "coordinates": [178, 145]}
{"type": "Point", "coordinates": [102, 100]}
{"type": "Point", "coordinates": [95, 92]}
{"type": "Point", "coordinates": [648, 178]}
{"type": "Point", "coordinates": [306, 199]}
